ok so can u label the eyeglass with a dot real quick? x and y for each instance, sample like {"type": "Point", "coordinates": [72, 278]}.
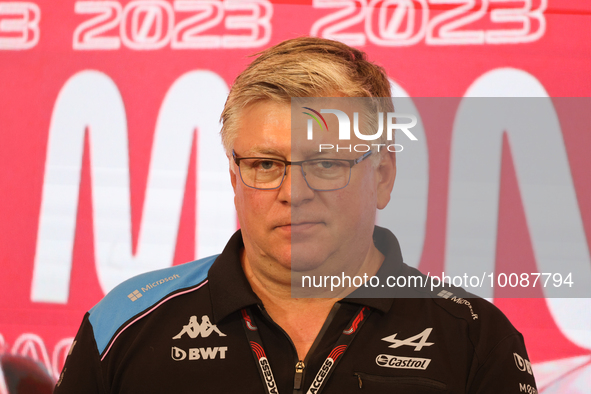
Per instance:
{"type": "Point", "coordinates": [264, 173]}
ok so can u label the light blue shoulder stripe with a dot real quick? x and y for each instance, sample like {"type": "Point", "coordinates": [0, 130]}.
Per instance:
{"type": "Point", "coordinates": [139, 293]}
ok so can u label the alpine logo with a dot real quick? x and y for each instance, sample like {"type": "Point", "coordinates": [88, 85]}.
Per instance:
{"type": "Point", "coordinates": [418, 341]}
{"type": "Point", "coordinates": [388, 361]}
{"type": "Point", "coordinates": [194, 329]}
{"type": "Point", "coordinates": [200, 353]}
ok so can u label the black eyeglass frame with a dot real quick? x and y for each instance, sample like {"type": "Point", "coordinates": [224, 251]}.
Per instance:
{"type": "Point", "coordinates": [351, 162]}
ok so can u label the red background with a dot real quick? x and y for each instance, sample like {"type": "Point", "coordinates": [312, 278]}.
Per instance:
{"type": "Point", "coordinates": [30, 80]}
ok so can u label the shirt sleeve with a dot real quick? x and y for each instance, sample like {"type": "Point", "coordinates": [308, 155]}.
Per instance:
{"type": "Point", "coordinates": [82, 370]}
{"type": "Point", "coordinates": [505, 370]}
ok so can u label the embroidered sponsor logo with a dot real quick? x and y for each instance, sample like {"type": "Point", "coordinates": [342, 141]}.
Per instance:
{"type": "Point", "coordinates": [527, 388]}
{"type": "Point", "coordinates": [445, 294]}
{"type": "Point", "coordinates": [199, 353]}
{"type": "Point", "coordinates": [389, 361]}
{"type": "Point", "coordinates": [194, 329]}
{"type": "Point", "coordinates": [178, 354]}
{"type": "Point", "coordinates": [418, 341]}
{"type": "Point", "coordinates": [150, 286]}
{"type": "Point", "coordinates": [462, 301]}
{"type": "Point", "coordinates": [522, 364]}
{"type": "Point", "coordinates": [135, 295]}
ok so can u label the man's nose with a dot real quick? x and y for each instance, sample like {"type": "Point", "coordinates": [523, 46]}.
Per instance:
{"type": "Point", "coordinates": [294, 189]}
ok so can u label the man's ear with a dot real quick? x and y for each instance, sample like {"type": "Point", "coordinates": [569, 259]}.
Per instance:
{"type": "Point", "coordinates": [386, 174]}
{"type": "Point", "coordinates": [232, 169]}
{"type": "Point", "coordinates": [232, 174]}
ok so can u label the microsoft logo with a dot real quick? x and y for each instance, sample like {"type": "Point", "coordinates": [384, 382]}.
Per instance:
{"type": "Point", "coordinates": [442, 293]}
{"type": "Point", "coordinates": [134, 296]}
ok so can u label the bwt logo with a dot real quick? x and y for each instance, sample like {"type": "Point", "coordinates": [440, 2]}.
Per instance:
{"type": "Point", "coordinates": [522, 364]}
{"type": "Point", "coordinates": [345, 129]}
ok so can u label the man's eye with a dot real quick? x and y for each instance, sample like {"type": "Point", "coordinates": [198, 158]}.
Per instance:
{"type": "Point", "coordinates": [327, 164]}
{"type": "Point", "coordinates": [264, 165]}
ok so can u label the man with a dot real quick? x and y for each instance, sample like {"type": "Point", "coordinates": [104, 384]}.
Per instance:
{"type": "Point", "coordinates": [302, 213]}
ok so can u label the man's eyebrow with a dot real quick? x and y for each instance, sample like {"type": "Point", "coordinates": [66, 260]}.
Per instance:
{"type": "Point", "coordinates": [269, 151]}
{"type": "Point", "coordinates": [315, 152]}
{"type": "Point", "coordinates": [264, 151]}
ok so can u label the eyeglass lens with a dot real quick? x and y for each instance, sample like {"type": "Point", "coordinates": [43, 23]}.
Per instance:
{"type": "Point", "coordinates": [320, 175]}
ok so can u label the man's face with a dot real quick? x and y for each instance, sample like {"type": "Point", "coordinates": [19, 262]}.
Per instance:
{"type": "Point", "coordinates": [295, 226]}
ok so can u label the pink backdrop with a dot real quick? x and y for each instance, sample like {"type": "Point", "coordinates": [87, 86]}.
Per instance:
{"type": "Point", "coordinates": [110, 164]}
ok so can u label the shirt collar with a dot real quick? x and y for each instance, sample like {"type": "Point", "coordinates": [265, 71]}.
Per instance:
{"type": "Point", "coordinates": [388, 245]}
{"type": "Point", "coordinates": [230, 290]}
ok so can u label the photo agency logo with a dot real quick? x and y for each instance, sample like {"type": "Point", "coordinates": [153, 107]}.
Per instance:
{"type": "Point", "coordinates": [375, 140]}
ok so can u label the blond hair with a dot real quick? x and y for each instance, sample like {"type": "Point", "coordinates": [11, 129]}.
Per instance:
{"type": "Point", "coordinates": [303, 67]}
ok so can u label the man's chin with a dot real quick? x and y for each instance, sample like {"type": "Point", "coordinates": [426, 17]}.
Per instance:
{"type": "Point", "coordinates": [308, 262]}
{"type": "Point", "coordinates": [309, 255]}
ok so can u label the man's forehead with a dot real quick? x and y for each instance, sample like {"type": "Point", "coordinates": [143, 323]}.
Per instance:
{"type": "Point", "coordinates": [278, 129]}
{"type": "Point", "coordinates": [286, 151]}
{"type": "Point", "coordinates": [268, 150]}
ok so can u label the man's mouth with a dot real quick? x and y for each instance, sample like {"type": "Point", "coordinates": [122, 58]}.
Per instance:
{"type": "Point", "coordinates": [300, 226]}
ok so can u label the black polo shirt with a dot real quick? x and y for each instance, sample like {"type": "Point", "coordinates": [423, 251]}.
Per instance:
{"type": "Point", "coordinates": [181, 330]}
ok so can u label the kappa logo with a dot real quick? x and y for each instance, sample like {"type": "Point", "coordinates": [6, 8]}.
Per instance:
{"type": "Point", "coordinates": [194, 329]}
{"type": "Point", "coordinates": [411, 341]}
